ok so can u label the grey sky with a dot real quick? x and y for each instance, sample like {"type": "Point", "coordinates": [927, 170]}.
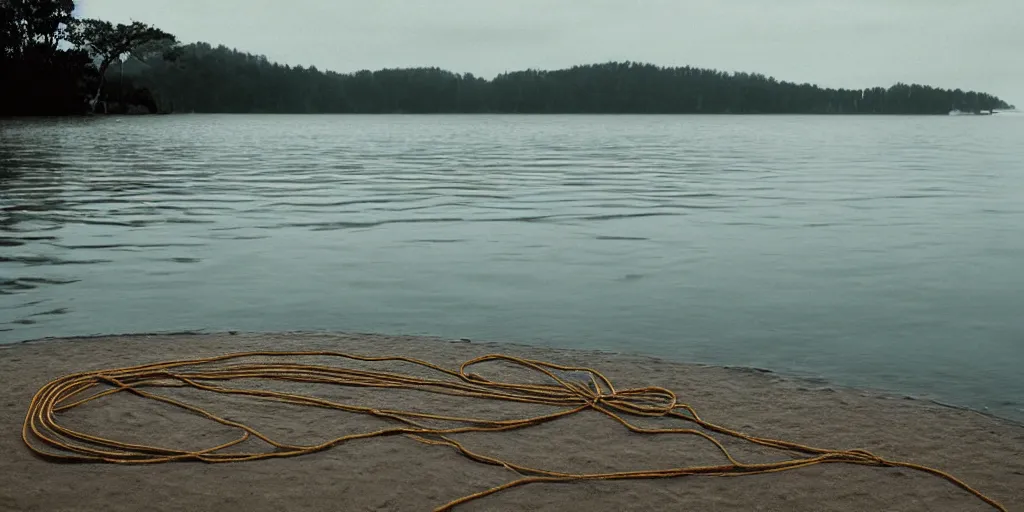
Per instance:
{"type": "Point", "coordinates": [849, 43]}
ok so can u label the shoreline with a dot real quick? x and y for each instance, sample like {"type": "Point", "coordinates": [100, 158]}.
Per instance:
{"type": "Point", "coordinates": [397, 474]}
{"type": "Point", "coordinates": [812, 381]}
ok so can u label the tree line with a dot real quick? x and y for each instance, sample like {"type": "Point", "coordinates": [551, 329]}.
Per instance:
{"type": "Point", "coordinates": [162, 75]}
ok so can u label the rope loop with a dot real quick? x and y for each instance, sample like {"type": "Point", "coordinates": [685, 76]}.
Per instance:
{"type": "Point", "coordinates": [571, 390]}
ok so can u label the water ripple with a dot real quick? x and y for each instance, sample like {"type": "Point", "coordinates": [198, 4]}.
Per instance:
{"type": "Point", "coordinates": [875, 251]}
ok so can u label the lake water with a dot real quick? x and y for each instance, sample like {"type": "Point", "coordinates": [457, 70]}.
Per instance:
{"type": "Point", "coordinates": [885, 252]}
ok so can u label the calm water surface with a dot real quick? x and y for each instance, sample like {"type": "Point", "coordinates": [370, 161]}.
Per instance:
{"type": "Point", "coordinates": [882, 252]}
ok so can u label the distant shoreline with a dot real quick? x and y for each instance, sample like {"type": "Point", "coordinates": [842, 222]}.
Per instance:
{"type": "Point", "coordinates": [80, 69]}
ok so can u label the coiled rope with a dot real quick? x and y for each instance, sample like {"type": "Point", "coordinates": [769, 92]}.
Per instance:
{"type": "Point", "coordinates": [45, 436]}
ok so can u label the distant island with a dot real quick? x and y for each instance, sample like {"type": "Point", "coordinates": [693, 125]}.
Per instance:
{"type": "Point", "coordinates": [65, 66]}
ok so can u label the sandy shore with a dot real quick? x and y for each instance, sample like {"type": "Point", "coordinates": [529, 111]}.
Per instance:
{"type": "Point", "coordinates": [397, 473]}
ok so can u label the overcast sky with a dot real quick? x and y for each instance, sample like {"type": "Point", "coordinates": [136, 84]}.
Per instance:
{"type": "Point", "coordinates": [972, 44]}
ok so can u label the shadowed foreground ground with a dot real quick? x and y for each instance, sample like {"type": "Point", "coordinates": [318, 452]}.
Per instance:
{"type": "Point", "coordinates": [397, 473]}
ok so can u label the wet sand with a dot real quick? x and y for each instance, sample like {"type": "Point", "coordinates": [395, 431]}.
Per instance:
{"type": "Point", "coordinates": [397, 473]}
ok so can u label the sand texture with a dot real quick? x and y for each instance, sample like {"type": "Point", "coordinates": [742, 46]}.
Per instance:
{"type": "Point", "coordinates": [398, 473]}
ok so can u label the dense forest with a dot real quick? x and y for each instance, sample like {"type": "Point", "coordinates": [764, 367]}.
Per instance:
{"type": "Point", "coordinates": [208, 79]}
{"type": "Point", "coordinates": [105, 67]}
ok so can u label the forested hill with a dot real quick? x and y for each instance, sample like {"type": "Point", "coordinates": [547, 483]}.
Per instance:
{"type": "Point", "coordinates": [53, 62]}
{"type": "Point", "coordinates": [208, 79]}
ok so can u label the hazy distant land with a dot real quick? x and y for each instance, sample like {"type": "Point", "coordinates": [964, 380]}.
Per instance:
{"type": "Point", "coordinates": [66, 65]}
{"type": "Point", "coordinates": [207, 79]}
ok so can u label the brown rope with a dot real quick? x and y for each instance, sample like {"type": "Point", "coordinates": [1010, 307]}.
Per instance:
{"type": "Point", "coordinates": [45, 436]}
